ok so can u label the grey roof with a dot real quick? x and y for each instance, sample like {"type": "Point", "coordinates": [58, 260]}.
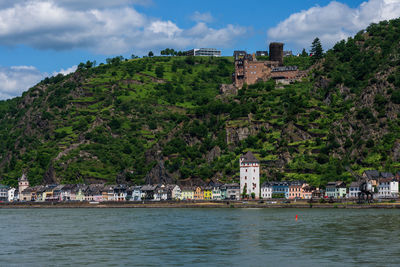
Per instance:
{"type": "Point", "coordinates": [249, 158]}
{"type": "Point", "coordinates": [149, 187]}
{"type": "Point", "coordinates": [387, 175]}
{"type": "Point", "coordinates": [355, 184]}
{"type": "Point", "coordinates": [336, 184]}
{"type": "Point", "coordinates": [372, 174]}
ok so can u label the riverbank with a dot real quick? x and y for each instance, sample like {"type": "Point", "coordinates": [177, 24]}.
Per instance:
{"type": "Point", "coordinates": [199, 204]}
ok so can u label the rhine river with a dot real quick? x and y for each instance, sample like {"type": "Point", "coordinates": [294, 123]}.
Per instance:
{"type": "Point", "coordinates": [199, 237]}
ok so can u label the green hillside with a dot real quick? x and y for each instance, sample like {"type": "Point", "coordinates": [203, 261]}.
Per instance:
{"type": "Point", "coordinates": [164, 118]}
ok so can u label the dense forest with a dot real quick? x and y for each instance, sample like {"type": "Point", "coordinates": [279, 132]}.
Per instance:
{"type": "Point", "coordinates": [166, 119]}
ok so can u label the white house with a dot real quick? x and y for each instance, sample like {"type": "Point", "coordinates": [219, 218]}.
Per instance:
{"type": "Point", "coordinates": [249, 174]}
{"type": "Point", "coordinates": [161, 193]}
{"type": "Point", "coordinates": [354, 190]}
{"type": "Point", "coordinates": [388, 188]}
{"type": "Point", "coordinates": [336, 189]}
{"type": "Point", "coordinates": [175, 191]}
{"type": "Point", "coordinates": [11, 194]}
{"type": "Point", "coordinates": [136, 193]}
{"type": "Point", "coordinates": [266, 190]}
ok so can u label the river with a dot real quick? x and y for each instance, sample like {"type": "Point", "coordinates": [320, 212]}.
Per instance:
{"type": "Point", "coordinates": [199, 237]}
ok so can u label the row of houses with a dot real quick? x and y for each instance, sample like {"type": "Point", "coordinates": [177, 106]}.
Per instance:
{"type": "Point", "coordinates": [102, 192]}
{"type": "Point", "coordinates": [385, 184]}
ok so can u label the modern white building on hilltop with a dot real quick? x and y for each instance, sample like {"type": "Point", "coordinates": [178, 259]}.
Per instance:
{"type": "Point", "coordinates": [205, 52]}
{"type": "Point", "coordinates": [250, 174]}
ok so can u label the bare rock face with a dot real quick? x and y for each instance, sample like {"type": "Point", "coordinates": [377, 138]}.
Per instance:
{"type": "Point", "coordinates": [234, 135]}
{"type": "Point", "coordinates": [158, 175]}
{"type": "Point", "coordinates": [213, 153]}
{"type": "Point", "coordinates": [49, 176]}
{"type": "Point", "coordinates": [396, 151]}
{"type": "Point", "coordinates": [228, 89]}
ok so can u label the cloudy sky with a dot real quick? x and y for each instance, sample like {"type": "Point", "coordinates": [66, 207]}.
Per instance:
{"type": "Point", "coordinates": [40, 38]}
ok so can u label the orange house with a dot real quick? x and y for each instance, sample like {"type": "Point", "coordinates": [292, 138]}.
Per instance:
{"type": "Point", "coordinates": [295, 190]}
{"type": "Point", "coordinates": [198, 193]}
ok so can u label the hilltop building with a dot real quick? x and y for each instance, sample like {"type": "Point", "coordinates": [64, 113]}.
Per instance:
{"type": "Point", "coordinates": [250, 71]}
{"type": "Point", "coordinates": [249, 174]}
{"type": "Point", "coordinates": [206, 52]}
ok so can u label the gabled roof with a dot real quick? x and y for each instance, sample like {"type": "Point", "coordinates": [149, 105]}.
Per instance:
{"type": "Point", "coordinates": [355, 184]}
{"type": "Point", "coordinates": [372, 174]}
{"type": "Point", "coordinates": [149, 187]}
{"type": "Point", "coordinates": [336, 184]}
{"type": "Point", "coordinates": [387, 175]}
{"type": "Point", "coordinates": [249, 158]}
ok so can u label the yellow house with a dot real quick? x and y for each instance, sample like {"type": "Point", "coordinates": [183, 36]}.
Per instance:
{"type": "Point", "coordinates": [187, 193]}
{"type": "Point", "coordinates": [207, 192]}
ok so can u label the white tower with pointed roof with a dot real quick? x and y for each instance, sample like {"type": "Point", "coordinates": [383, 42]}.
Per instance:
{"type": "Point", "coordinates": [249, 174]}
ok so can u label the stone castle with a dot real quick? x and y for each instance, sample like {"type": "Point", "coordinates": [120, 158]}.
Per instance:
{"type": "Point", "coordinates": [249, 70]}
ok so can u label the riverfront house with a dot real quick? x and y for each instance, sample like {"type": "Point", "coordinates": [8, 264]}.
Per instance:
{"type": "Point", "coordinates": [336, 189]}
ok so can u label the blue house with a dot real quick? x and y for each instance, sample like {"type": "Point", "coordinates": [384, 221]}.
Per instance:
{"type": "Point", "coordinates": [280, 188]}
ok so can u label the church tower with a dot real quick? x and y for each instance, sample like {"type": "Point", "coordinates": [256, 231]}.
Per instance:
{"type": "Point", "coordinates": [249, 174]}
{"type": "Point", "coordinates": [23, 184]}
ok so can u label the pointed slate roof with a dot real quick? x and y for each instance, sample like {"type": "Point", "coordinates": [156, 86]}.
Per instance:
{"type": "Point", "coordinates": [249, 158]}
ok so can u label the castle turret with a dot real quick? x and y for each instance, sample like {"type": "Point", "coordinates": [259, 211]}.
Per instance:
{"type": "Point", "coordinates": [23, 184]}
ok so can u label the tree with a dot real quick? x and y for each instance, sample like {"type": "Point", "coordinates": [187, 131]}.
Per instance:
{"type": "Point", "coordinates": [160, 71]}
{"type": "Point", "coordinates": [244, 193]}
{"type": "Point", "coordinates": [304, 53]}
{"type": "Point", "coordinates": [253, 195]}
{"type": "Point", "coordinates": [151, 54]}
{"type": "Point", "coordinates": [316, 50]}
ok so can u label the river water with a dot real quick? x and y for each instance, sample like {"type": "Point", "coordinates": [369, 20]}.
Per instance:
{"type": "Point", "coordinates": [199, 237]}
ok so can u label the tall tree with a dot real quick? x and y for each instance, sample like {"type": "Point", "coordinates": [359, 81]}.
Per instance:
{"type": "Point", "coordinates": [316, 49]}
{"type": "Point", "coordinates": [151, 54]}
{"type": "Point", "coordinates": [304, 53]}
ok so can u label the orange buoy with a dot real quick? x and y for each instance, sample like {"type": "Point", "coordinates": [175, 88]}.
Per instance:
{"type": "Point", "coordinates": [296, 217]}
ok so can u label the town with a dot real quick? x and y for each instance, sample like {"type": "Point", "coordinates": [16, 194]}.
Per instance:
{"type": "Point", "coordinates": [386, 186]}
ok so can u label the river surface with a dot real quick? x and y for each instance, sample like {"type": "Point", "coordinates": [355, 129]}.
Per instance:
{"type": "Point", "coordinates": [199, 237]}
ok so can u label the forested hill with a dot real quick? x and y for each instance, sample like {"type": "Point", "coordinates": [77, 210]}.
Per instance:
{"type": "Point", "coordinates": [164, 119]}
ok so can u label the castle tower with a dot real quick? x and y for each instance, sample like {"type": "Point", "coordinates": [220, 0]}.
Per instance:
{"type": "Point", "coordinates": [276, 52]}
{"type": "Point", "coordinates": [23, 184]}
{"type": "Point", "coordinates": [250, 174]}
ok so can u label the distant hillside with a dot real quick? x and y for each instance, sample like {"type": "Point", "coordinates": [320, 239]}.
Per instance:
{"type": "Point", "coordinates": [163, 119]}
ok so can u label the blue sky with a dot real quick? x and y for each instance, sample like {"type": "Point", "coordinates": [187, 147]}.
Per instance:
{"type": "Point", "coordinates": [40, 38]}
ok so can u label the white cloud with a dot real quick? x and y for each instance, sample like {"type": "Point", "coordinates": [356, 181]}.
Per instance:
{"type": "Point", "coordinates": [109, 27]}
{"type": "Point", "coordinates": [17, 79]}
{"type": "Point", "coordinates": [202, 17]}
{"type": "Point", "coordinates": [331, 23]}
{"type": "Point", "coordinates": [66, 71]}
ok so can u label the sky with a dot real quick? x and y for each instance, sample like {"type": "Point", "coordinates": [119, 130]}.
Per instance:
{"type": "Point", "coordinates": [40, 38]}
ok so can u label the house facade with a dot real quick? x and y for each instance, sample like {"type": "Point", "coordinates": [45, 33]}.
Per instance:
{"type": "Point", "coordinates": [232, 191]}
{"type": "Point", "coordinates": [207, 191]}
{"type": "Point", "coordinates": [280, 189]}
{"type": "Point", "coordinates": [295, 190]}
{"type": "Point", "coordinates": [249, 175]}
{"type": "Point", "coordinates": [187, 193]}
{"type": "Point", "coordinates": [336, 189]}
{"type": "Point", "coordinates": [354, 190]}
{"type": "Point", "coordinates": [266, 190]}
{"type": "Point", "coordinates": [198, 193]}
{"type": "Point", "coordinates": [388, 188]}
